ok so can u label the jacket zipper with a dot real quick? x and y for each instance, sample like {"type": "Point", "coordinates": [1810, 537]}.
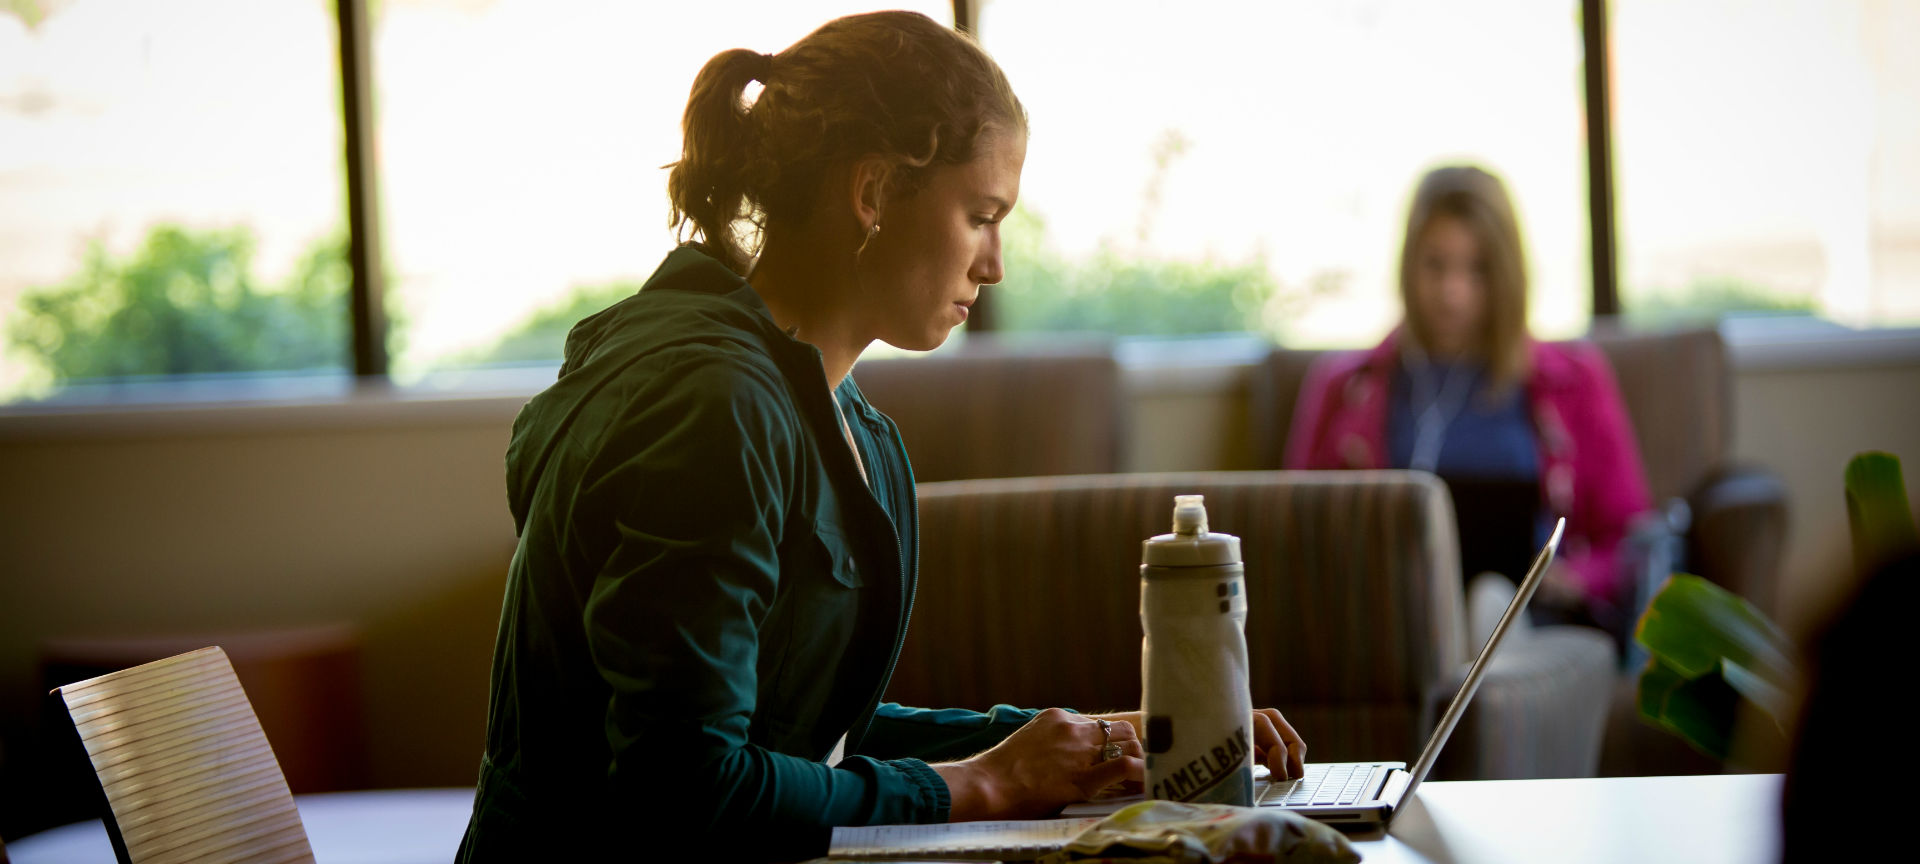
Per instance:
{"type": "Point", "coordinates": [900, 555]}
{"type": "Point", "coordinates": [900, 552]}
{"type": "Point", "coordinates": [906, 618]}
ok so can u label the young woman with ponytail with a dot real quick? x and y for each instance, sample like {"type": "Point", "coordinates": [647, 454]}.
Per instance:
{"type": "Point", "coordinates": [718, 536]}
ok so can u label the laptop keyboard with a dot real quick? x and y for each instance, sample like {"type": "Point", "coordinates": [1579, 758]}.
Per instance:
{"type": "Point", "coordinates": [1324, 784]}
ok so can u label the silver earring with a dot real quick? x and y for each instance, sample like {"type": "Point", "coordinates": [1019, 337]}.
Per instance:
{"type": "Point", "coordinates": [871, 231]}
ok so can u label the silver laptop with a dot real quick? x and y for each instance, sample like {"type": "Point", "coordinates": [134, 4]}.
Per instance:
{"type": "Point", "coordinates": [1365, 796]}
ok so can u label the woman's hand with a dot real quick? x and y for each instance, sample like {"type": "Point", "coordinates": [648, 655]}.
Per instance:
{"type": "Point", "coordinates": [1275, 744]}
{"type": "Point", "coordinates": [1053, 761]}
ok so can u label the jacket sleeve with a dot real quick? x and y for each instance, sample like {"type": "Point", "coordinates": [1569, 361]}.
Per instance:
{"type": "Point", "coordinates": [695, 480]}
{"type": "Point", "coordinates": [1611, 480]}
{"type": "Point", "coordinates": [940, 735]}
{"type": "Point", "coordinates": [1310, 414]}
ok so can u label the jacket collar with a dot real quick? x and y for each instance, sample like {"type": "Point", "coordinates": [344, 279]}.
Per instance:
{"type": "Point", "coordinates": [1381, 358]}
{"type": "Point", "coordinates": [688, 268]}
{"type": "Point", "coordinates": [1552, 366]}
{"type": "Point", "coordinates": [1548, 365]}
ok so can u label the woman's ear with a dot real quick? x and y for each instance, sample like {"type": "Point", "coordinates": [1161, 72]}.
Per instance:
{"type": "Point", "coordinates": [867, 189]}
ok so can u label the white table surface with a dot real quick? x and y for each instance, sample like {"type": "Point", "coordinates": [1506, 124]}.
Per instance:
{"type": "Point", "coordinates": [1731, 818]}
{"type": "Point", "coordinates": [1698, 820]}
{"type": "Point", "coordinates": [387, 826]}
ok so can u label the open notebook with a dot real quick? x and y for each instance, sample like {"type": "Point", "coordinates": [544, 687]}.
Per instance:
{"type": "Point", "coordinates": [957, 841]}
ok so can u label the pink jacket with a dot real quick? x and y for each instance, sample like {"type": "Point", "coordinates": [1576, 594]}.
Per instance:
{"type": "Point", "coordinates": [1590, 465]}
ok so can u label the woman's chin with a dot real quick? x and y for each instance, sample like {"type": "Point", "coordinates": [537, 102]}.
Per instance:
{"type": "Point", "coordinates": [921, 341]}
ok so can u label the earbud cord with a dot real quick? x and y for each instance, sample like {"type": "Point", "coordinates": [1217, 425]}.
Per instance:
{"type": "Point", "coordinates": [1433, 412]}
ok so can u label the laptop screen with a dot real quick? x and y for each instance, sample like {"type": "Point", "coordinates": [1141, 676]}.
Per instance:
{"type": "Point", "coordinates": [1499, 520]}
{"type": "Point", "coordinates": [1460, 700]}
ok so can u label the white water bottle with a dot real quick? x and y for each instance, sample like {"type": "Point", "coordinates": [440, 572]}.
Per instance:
{"type": "Point", "coordinates": [1199, 714]}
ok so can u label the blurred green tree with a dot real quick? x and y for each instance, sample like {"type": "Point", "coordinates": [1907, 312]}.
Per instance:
{"type": "Point", "coordinates": [30, 12]}
{"type": "Point", "coordinates": [1706, 301]}
{"type": "Point", "coordinates": [1131, 295]}
{"type": "Point", "coordinates": [187, 302]}
{"type": "Point", "coordinates": [543, 335]}
{"type": "Point", "coordinates": [1108, 292]}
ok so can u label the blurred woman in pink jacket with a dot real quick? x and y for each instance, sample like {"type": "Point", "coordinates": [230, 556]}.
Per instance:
{"type": "Point", "coordinates": [1461, 390]}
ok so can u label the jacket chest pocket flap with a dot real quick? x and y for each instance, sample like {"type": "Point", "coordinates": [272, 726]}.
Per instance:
{"type": "Point", "coordinates": [836, 555]}
{"type": "Point", "coordinates": [809, 632]}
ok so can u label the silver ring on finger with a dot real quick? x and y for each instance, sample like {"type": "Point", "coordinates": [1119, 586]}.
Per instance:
{"type": "Point", "coordinates": [1108, 749]}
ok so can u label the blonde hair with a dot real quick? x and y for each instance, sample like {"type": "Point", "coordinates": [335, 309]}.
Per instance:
{"type": "Point", "coordinates": [891, 84]}
{"type": "Point", "coordinates": [1479, 201]}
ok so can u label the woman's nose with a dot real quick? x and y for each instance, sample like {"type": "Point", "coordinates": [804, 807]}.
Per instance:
{"type": "Point", "coordinates": [1460, 288]}
{"type": "Point", "coordinates": [988, 269]}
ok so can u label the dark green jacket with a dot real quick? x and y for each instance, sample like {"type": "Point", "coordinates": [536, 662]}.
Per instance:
{"type": "Point", "coordinates": [704, 597]}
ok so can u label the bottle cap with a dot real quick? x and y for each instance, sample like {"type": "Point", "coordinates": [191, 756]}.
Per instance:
{"type": "Point", "coordinates": [1189, 514]}
{"type": "Point", "coordinates": [1190, 544]}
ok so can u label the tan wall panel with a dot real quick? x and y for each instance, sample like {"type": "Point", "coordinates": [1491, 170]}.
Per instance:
{"type": "Point", "coordinates": [402, 532]}
{"type": "Point", "coordinates": [1188, 420]}
{"type": "Point", "coordinates": [1805, 425]}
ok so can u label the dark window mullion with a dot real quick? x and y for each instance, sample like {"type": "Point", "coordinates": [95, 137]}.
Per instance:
{"type": "Point", "coordinates": [1598, 70]}
{"type": "Point", "coordinates": [363, 212]}
{"type": "Point", "coordinates": [983, 318]}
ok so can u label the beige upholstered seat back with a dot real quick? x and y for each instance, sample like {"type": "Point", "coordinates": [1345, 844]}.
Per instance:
{"type": "Point", "coordinates": [1029, 595]}
{"type": "Point", "coordinates": [1003, 411]}
{"type": "Point", "coordinates": [1273, 392]}
{"type": "Point", "coordinates": [188, 775]}
{"type": "Point", "coordinates": [1679, 394]}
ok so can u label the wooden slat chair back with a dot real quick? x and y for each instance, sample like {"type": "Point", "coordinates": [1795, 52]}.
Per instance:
{"type": "Point", "coordinates": [187, 773]}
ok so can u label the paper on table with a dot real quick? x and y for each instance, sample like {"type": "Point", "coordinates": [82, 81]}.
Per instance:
{"type": "Point", "coordinates": [962, 839]}
{"type": "Point", "coordinates": [1103, 806]}
{"type": "Point", "coordinates": [1107, 806]}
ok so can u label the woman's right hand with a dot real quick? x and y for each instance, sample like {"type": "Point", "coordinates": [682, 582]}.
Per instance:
{"type": "Point", "coordinates": [1053, 761]}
